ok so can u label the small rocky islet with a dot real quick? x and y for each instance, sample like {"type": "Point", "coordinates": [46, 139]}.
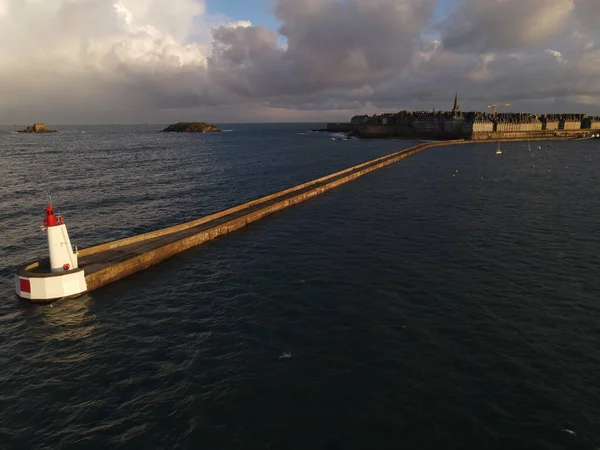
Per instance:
{"type": "Point", "coordinates": [37, 128]}
{"type": "Point", "coordinates": [191, 127]}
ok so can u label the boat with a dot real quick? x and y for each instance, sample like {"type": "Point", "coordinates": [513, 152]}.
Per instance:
{"type": "Point", "coordinates": [498, 150]}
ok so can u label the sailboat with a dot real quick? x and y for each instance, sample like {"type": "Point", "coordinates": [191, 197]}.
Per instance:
{"type": "Point", "coordinates": [498, 150]}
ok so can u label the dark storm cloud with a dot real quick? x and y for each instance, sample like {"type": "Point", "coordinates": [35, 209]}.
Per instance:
{"type": "Point", "coordinates": [128, 61]}
{"type": "Point", "coordinates": [332, 43]}
{"type": "Point", "coordinates": [505, 24]}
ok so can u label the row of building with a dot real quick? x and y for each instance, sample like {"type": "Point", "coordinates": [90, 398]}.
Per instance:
{"type": "Point", "coordinates": [457, 124]}
{"type": "Point", "coordinates": [478, 121]}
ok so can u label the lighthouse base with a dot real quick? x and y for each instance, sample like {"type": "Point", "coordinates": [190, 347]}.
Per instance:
{"type": "Point", "coordinates": [36, 283]}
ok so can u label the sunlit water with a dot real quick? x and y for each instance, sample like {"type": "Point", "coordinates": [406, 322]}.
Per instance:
{"type": "Point", "coordinates": [448, 301]}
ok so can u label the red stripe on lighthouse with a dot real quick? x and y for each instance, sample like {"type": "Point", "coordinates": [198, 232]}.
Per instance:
{"type": "Point", "coordinates": [24, 285]}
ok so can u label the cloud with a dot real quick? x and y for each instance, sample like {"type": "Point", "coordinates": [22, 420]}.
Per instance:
{"type": "Point", "coordinates": [558, 55]}
{"type": "Point", "coordinates": [505, 24]}
{"type": "Point", "coordinates": [332, 42]}
{"type": "Point", "coordinates": [239, 24]}
{"type": "Point", "coordinates": [108, 51]}
{"type": "Point", "coordinates": [163, 60]}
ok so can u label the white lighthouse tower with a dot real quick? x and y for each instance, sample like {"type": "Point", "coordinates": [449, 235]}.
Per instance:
{"type": "Point", "coordinates": [62, 255]}
{"type": "Point", "coordinates": [58, 276]}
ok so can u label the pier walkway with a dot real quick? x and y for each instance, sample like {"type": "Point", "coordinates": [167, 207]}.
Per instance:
{"type": "Point", "coordinates": [111, 261]}
{"type": "Point", "coordinates": [94, 262]}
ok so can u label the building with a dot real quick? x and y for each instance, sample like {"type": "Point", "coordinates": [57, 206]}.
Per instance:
{"type": "Point", "coordinates": [591, 123]}
{"type": "Point", "coordinates": [456, 124]}
{"type": "Point", "coordinates": [571, 121]}
{"type": "Point", "coordinates": [39, 127]}
{"type": "Point", "coordinates": [357, 120]}
{"type": "Point", "coordinates": [456, 108]}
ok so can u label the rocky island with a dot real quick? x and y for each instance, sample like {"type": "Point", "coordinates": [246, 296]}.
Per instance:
{"type": "Point", "coordinates": [37, 128]}
{"type": "Point", "coordinates": [191, 127]}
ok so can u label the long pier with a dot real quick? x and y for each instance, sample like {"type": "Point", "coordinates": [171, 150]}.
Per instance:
{"type": "Point", "coordinates": [111, 261]}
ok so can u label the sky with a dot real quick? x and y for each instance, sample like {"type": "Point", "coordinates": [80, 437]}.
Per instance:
{"type": "Point", "coordinates": [162, 61]}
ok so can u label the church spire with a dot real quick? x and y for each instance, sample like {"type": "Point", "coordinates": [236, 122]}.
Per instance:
{"type": "Point", "coordinates": [456, 108]}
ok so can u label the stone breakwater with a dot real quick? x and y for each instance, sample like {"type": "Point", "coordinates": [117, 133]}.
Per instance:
{"type": "Point", "coordinates": [111, 261]}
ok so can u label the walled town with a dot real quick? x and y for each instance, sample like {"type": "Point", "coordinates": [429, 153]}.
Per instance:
{"type": "Point", "coordinates": [473, 125]}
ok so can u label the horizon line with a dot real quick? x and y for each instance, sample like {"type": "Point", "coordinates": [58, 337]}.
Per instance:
{"type": "Point", "coordinates": [155, 123]}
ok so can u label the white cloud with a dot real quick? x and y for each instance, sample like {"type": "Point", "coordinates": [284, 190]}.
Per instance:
{"type": "Point", "coordinates": [124, 13]}
{"type": "Point", "coordinates": [90, 33]}
{"type": "Point", "coordinates": [558, 55]}
{"type": "Point", "coordinates": [239, 24]}
{"type": "Point", "coordinates": [4, 6]}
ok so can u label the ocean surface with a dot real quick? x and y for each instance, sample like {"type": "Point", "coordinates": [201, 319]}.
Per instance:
{"type": "Point", "coordinates": [450, 301]}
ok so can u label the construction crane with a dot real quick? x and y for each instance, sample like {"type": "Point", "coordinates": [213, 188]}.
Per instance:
{"type": "Point", "coordinates": [494, 106]}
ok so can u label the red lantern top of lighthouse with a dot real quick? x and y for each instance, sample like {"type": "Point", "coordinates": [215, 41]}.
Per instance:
{"type": "Point", "coordinates": [51, 220]}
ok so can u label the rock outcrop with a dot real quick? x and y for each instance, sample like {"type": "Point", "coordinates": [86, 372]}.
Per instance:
{"type": "Point", "coordinates": [192, 127]}
{"type": "Point", "coordinates": [37, 128]}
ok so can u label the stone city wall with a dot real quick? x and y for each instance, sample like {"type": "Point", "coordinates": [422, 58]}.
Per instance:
{"type": "Point", "coordinates": [518, 127]}
{"type": "Point", "coordinates": [591, 123]}
{"type": "Point", "coordinates": [550, 125]}
{"type": "Point", "coordinates": [340, 127]}
{"type": "Point", "coordinates": [570, 125]}
{"type": "Point", "coordinates": [499, 135]}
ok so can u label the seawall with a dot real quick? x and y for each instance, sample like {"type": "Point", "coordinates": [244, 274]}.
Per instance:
{"type": "Point", "coordinates": [173, 240]}
{"type": "Point", "coordinates": [340, 127]}
{"type": "Point", "coordinates": [528, 135]}
{"type": "Point", "coordinates": [412, 131]}
{"type": "Point", "coordinates": [111, 261]}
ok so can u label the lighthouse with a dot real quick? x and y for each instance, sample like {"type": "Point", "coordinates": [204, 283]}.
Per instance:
{"type": "Point", "coordinates": [57, 276]}
{"type": "Point", "coordinates": [62, 255]}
